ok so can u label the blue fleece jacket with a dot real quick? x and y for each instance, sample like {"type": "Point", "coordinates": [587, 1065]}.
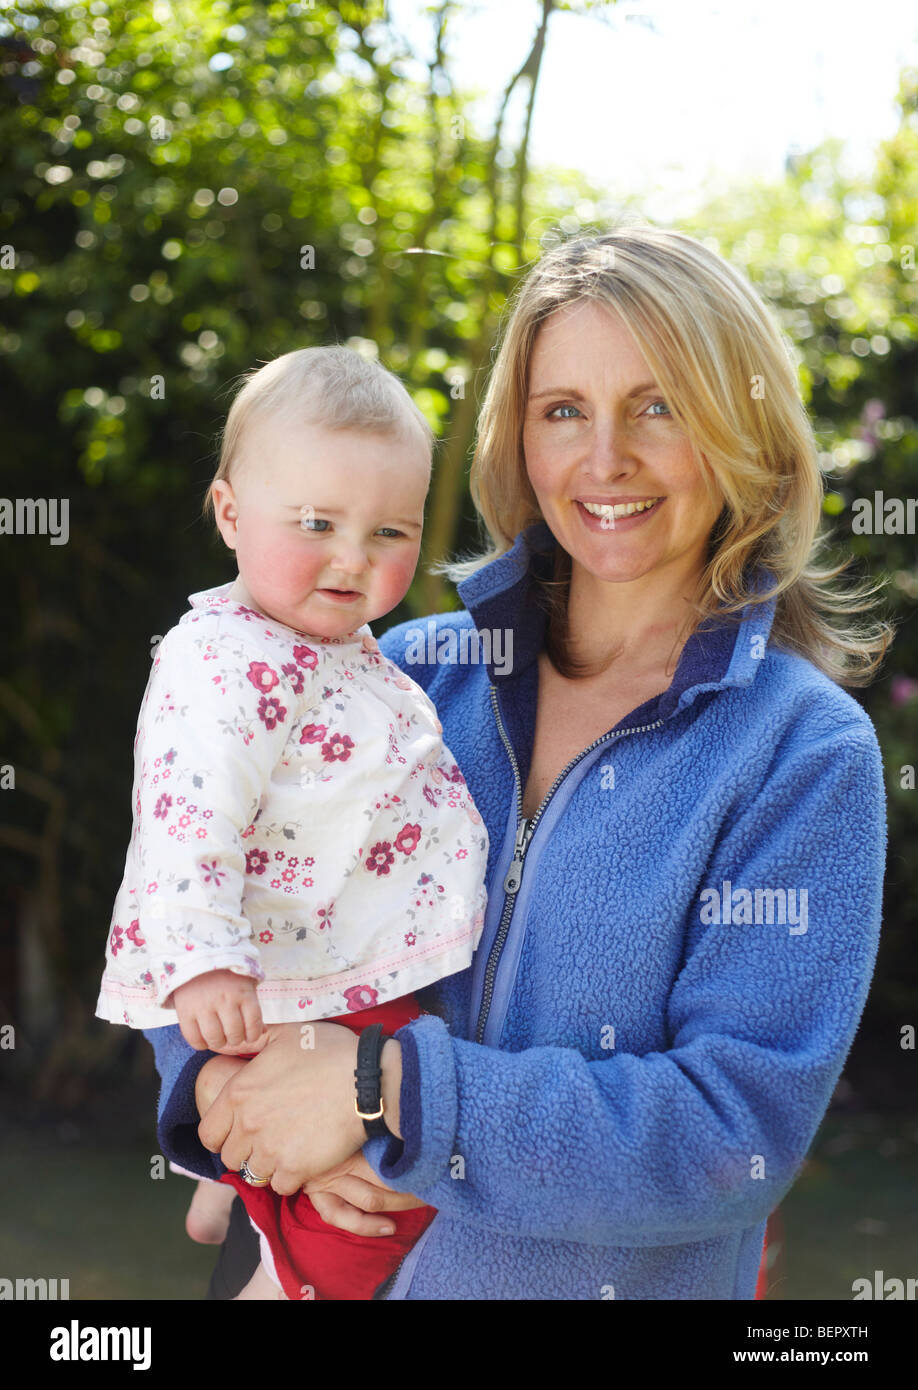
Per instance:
{"type": "Point", "coordinates": [611, 1100]}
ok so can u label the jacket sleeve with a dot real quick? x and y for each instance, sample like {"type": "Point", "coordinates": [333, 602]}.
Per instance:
{"type": "Point", "coordinates": [177, 1118]}
{"type": "Point", "coordinates": [215, 727]}
{"type": "Point", "coordinates": [706, 1137]}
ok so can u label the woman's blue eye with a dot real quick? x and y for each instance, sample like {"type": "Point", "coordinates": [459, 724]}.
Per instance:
{"type": "Point", "coordinates": [563, 407]}
{"type": "Point", "coordinates": [664, 405]}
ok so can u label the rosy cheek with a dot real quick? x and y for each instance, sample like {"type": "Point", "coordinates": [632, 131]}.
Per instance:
{"type": "Point", "coordinates": [280, 563]}
{"type": "Point", "coordinates": [396, 579]}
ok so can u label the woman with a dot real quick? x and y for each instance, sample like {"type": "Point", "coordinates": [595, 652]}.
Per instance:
{"type": "Point", "coordinates": [686, 818]}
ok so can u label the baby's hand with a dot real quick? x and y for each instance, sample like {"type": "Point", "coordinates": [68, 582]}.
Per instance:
{"type": "Point", "coordinates": [219, 1012]}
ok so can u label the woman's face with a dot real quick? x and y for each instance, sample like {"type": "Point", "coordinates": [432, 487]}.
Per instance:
{"type": "Point", "coordinates": [598, 431]}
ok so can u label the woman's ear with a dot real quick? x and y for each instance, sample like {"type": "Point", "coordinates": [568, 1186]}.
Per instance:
{"type": "Point", "coordinates": [226, 510]}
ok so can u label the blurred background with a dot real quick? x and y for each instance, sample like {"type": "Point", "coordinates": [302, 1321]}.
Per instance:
{"type": "Point", "coordinates": [193, 188]}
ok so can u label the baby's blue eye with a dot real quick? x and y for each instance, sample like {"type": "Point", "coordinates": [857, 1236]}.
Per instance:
{"type": "Point", "coordinates": [307, 523]}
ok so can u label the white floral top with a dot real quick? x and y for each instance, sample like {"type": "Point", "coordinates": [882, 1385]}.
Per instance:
{"type": "Point", "coordinates": [297, 818]}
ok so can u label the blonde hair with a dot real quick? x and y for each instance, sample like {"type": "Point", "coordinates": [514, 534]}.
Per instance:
{"type": "Point", "coordinates": [334, 387]}
{"type": "Point", "coordinates": [708, 338]}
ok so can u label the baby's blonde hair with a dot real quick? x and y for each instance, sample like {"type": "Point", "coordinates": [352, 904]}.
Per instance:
{"type": "Point", "coordinates": [334, 387]}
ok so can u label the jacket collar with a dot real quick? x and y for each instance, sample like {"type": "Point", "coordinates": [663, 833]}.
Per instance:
{"type": "Point", "coordinates": [719, 653]}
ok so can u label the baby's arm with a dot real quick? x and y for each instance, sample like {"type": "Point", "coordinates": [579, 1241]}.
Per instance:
{"type": "Point", "coordinates": [219, 1012]}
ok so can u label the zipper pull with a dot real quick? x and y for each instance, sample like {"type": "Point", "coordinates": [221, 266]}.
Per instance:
{"type": "Point", "coordinates": [515, 872]}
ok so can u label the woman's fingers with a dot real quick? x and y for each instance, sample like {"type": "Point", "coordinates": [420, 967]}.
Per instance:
{"type": "Point", "coordinates": [368, 1196]}
{"type": "Point", "coordinates": [338, 1212]}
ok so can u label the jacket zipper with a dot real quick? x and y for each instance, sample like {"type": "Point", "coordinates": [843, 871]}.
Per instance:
{"type": "Point", "coordinates": [512, 880]}
{"type": "Point", "coordinates": [524, 833]}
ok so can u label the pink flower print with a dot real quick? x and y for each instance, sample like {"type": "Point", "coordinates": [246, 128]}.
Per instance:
{"type": "Point", "coordinates": [180, 801]}
{"type": "Point", "coordinates": [410, 938]}
{"type": "Point", "coordinates": [295, 676]}
{"type": "Point", "coordinates": [360, 997]}
{"type": "Point", "coordinates": [133, 934]}
{"type": "Point", "coordinates": [337, 748]}
{"type": "Point", "coordinates": [161, 809]}
{"type": "Point", "coordinates": [271, 712]}
{"type": "Point", "coordinates": [192, 810]}
{"type": "Point", "coordinates": [324, 917]}
{"type": "Point", "coordinates": [115, 941]}
{"type": "Point", "coordinates": [248, 832]}
{"type": "Point", "coordinates": [152, 887]}
{"type": "Point", "coordinates": [207, 814]}
{"type": "Point", "coordinates": [170, 757]}
{"type": "Point", "coordinates": [462, 854]}
{"type": "Point", "coordinates": [288, 875]}
{"type": "Point", "coordinates": [306, 657]}
{"type": "Point", "coordinates": [212, 874]}
{"type": "Point", "coordinates": [292, 862]}
{"type": "Point", "coordinates": [146, 978]}
{"type": "Point", "coordinates": [169, 967]}
{"type": "Point", "coordinates": [307, 882]}
{"type": "Point", "coordinates": [455, 775]}
{"type": "Point", "coordinates": [158, 762]}
{"type": "Point", "coordinates": [201, 833]}
{"type": "Point", "coordinates": [266, 936]}
{"type": "Point", "coordinates": [172, 829]}
{"type": "Point", "coordinates": [255, 861]}
{"type": "Point", "coordinates": [261, 676]}
{"type": "Point", "coordinates": [429, 795]}
{"type": "Point", "coordinates": [275, 883]}
{"type": "Point", "coordinates": [407, 838]}
{"type": "Point", "coordinates": [184, 821]}
{"type": "Point", "coordinates": [308, 862]}
{"type": "Point", "coordinates": [278, 854]}
{"type": "Point", "coordinates": [313, 733]}
{"type": "Point", "coordinates": [380, 857]}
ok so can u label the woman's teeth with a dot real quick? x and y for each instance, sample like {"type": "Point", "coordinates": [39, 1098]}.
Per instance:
{"type": "Point", "coordinates": [620, 509]}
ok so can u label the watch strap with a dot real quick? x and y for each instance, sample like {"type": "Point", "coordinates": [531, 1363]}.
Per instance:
{"type": "Point", "coordinates": [368, 1077]}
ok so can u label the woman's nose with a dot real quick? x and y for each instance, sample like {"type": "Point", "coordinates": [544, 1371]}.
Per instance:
{"type": "Point", "coordinates": [611, 449]}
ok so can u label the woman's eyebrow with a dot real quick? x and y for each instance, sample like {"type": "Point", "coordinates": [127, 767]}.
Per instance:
{"type": "Point", "coordinates": [578, 395]}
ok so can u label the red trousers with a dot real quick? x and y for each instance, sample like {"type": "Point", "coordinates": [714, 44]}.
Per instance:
{"type": "Point", "coordinates": [312, 1258]}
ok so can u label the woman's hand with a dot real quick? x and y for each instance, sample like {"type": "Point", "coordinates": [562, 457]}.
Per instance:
{"type": "Point", "coordinates": [289, 1111]}
{"type": "Point", "coordinates": [211, 1079]}
{"type": "Point", "coordinates": [348, 1192]}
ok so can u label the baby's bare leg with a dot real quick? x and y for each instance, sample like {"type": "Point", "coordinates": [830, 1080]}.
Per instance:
{"type": "Point", "coordinates": [208, 1216]}
{"type": "Point", "coordinates": [261, 1286]}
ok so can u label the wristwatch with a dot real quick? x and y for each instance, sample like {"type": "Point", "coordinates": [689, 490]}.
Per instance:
{"type": "Point", "coordinates": [368, 1074]}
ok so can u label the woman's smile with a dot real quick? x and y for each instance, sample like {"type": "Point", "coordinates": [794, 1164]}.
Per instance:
{"type": "Point", "coordinates": [618, 516]}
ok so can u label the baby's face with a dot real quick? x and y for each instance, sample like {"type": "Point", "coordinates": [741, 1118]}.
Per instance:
{"type": "Point", "coordinates": [313, 510]}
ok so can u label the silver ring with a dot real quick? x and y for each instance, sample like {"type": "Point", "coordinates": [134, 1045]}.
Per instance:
{"type": "Point", "coordinates": [248, 1176]}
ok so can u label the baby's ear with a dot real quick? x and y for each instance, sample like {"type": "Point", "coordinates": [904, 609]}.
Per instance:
{"type": "Point", "coordinates": [226, 511]}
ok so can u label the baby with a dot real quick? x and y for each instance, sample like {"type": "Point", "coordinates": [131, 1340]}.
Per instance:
{"type": "Point", "coordinates": [304, 846]}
